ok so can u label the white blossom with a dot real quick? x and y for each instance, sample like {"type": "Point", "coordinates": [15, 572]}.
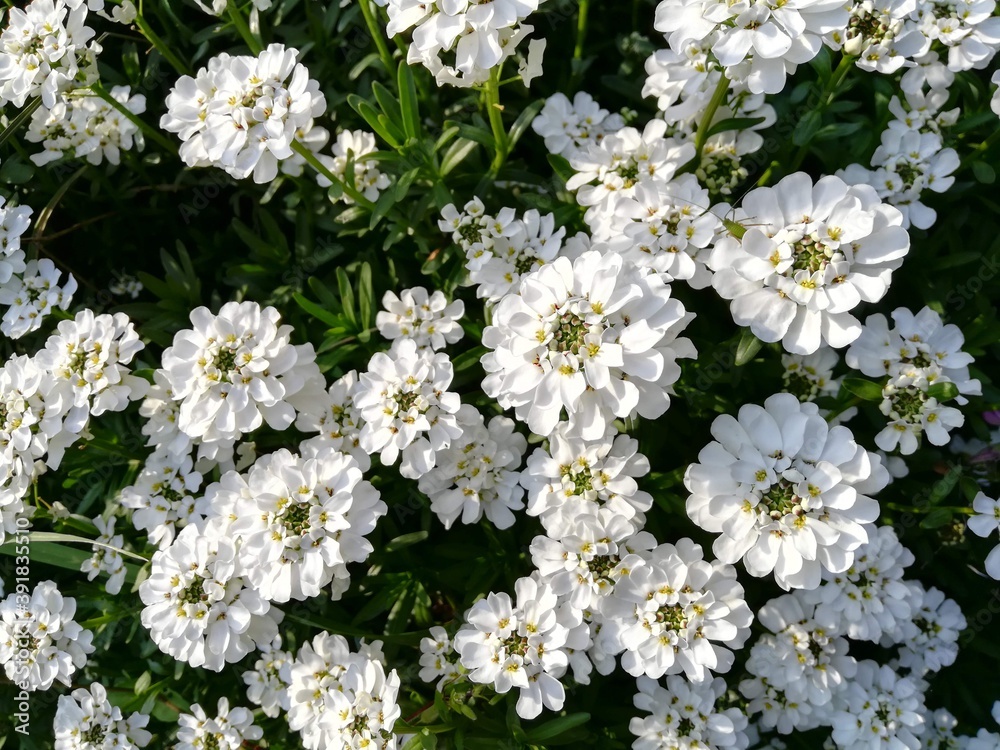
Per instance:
{"type": "Point", "coordinates": [86, 720]}
{"type": "Point", "coordinates": [478, 474]}
{"type": "Point", "coordinates": [40, 642]}
{"type": "Point", "coordinates": [105, 559]}
{"type": "Point", "coordinates": [812, 254]}
{"type": "Point", "coordinates": [570, 125]}
{"type": "Point", "coordinates": [428, 319]}
{"type": "Point", "coordinates": [596, 338]}
{"type": "Point", "coordinates": [266, 683]}
{"type": "Point", "coordinates": [685, 716]}
{"type": "Point", "coordinates": [227, 730]}
{"type": "Point", "coordinates": [32, 296]}
{"type": "Point", "coordinates": [878, 710]}
{"type": "Point", "coordinates": [163, 496]}
{"type": "Point", "coordinates": [984, 522]}
{"type": "Point", "coordinates": [786, 491]}
{"type": "Point", "coordinates": [438, 658]}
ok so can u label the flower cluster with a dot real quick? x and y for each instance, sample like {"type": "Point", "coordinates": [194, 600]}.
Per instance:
{"type": "Point", "coordinates": [809, 255]}
{"type": "Point", "coordinates": [40, 642]}
{"type": "Point", "coordinates": [86, 126]}
{"type": "Point", "coordinates": [339, 698]}
{"type": "Point", "coordinates": [227, 730]}
{"type": "Point", "coordinates": [86, 719]}
{"type": "Point", "coordinates": [569, 126]}
{"type": "Point", "coordinates": [428, 319]}
{"type": "Point", "coordinates": [500, 250]}
{"type": "Point", "coordinates": [46, 49]}
{"type": "Point", "coordinates": [595, 338]}
{"type": "Point", "coordinates": [918, 354]}
{"type": "Point", "coordinates": [242, 114]}
{"type": "Point", "coordinates": [460, 41]}
{"type": "Point", "coordinates": [106, 557]}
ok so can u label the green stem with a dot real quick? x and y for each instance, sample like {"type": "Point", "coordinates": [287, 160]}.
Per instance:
{"type": "Point", "coordinates": [705, 125]}
{"type": "Point", "coordinates": [826, 98]}
{"type": "Point", "coordinates": [581, 29]}
{"type": "Point", "coordinates": [494, 111]}
{"type": "Point", "coordinates": [929, 508]}
{"type": "Point", "coordinates": [145, 127]}
{"type": "Point", "coordinates": [22, 117]}
{"type": "Point", "coordinates": [375, 30]}
{"type": "Point", "coordinates": [255, 44]}
{"type": "Point", "coordinates": [162, 47]}
{"type": "Point", "coordinates": [316, 164]}
{"type": "Point", "coordinates": [979, 150]}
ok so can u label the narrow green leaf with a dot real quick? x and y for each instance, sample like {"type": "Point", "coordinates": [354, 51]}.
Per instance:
{"type": "Point", "coordinates": [408, 100]}
{"type": "Point", "coordinates": [747, 348]}
{"type": "Point", "coordinates": [456, 154]}
{"type": "Point", "coordinates": [552, 729]}
{"type": "Point", "coordinates": [866, 390]}
{"type": "Point", "coordinates": [388, 103]}
{"type": "Point", "coordinates": [561, 166]}
{"type": "Point", "coordinates": [734, 123]}
{"type": "Point", "coordinates": [316, 311]}
{"type": "Point", "coordinates": [406, 540]}
{"type": "Point", "coordinates": [936, 518]}
{"type": "Point", "coordinates": [371, 116]}
{"type": "Point", "coordinates": [346, 296]}
{"type": "Point", "coordinates": [366, 296]}
{"type": "Point", "coordinates": [55, 537]}
{"type": "Point", "coordinates": [523, 121]}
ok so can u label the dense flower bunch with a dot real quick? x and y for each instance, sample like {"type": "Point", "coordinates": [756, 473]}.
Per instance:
{"type": "Point", "coordinates": [242, 114]}
{"type": "Point", "coordinates": [84, 126]}
{"type": "Point", "coordinates": [494, 413]}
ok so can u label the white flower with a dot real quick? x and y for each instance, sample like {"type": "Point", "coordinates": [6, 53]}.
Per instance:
{"type": "Point", "coordinates": [868, 599]}
{"type": "Point", "coordinates": [878, 710]}
{"type": "Point", "coordinates": [501, 250]}
{"type": "Point", "coordinates": [880, 35]}
{"type": "Point", "coordinates": [667, 226]}
{"type": "Point", "coordinates": [351, 147]}
{"type": "Point", "coordinates": [438, 658]}
{"type": "Point", "coordinates": [407, 409]}
{"type": "Point", "coordinates": [198, 608]}
{"type": "Point", "coordinates": [583, 564]}
{"type": "Point", "coordinates": [126, 285]}
{"type": "Point", "coordinates": [235, 370]}
{"type": "Point", "coordinates": [967, 28]}
{"type": "Point", "coordinates": [339, 698]}
{"type": "Point", "coordinates": [87, 356]}
{"type": "Point", "coordinates": [82, 125]}
{"type": "Point", "coordinates": [596, 338]}
{"type": "Point", "coordinates": [995, 101]}
{"type": "Point", "coordinates": [812, 254]}
{"type": "Point", "coordinates": [14, 222]}
{"type": "Point", "coordinates": [911, 412]}
{"type": "Point", "coordinates": [574, 477]}
{"type": "Point", "coordinates": [567, 126]}
{"type": "Point", "coordinates": [86, 720]}
{"type": "Point", "coordinates": [929, 641]}
{"type": "Point", "coordinates": [105, 560]}
{"type": "Point", "coordinates": [428, 319]}
{"type": "Point", "coordinates": [44, 51]}
{"type": "Point", "coordinates": [266, 685]}
{"type": "Point", "coordinates": [337, 419]}
{"type": "Point", "coordinates": [227, 730]}
{"type": "Point", "coordinates": [478, 474]}
{"type": "Point", "coordinates": [162, 498]}
{"type": "Point", "coordinates": [758, 41]}
{"type": "Point", "coordinates": [530, 66]}
{"type": "Point", "coordinates": [618, 164]}
{"type": "Point", "coordinates": [684, 716]}
{"type": "Point", "coordinates": [676, 613]}
{"type": "Point", "coordinates": [520, 644]}
{"type": "Point", "coordinates": [161, 412]}
{"type": "Point", "coordinates": [242, 113]}
{"type": "Point", "coordinates": [33, 296]}
{"type": "Point", "coordinates": [800, 660]}
{"type": "Point", "coordinates": [32, 408]}
{"type": "Point", "coordinates": [40, 642]}
{"type": "Point", "coordinates": [986, 521]}
{"type": "Point", "coordinates": [810, 376]}
{"type": "Point", "coordinates": [786, 491]}
{"type": "Point", "coordinates": [920, 343]}
{"type": "Point", "coordinates": [218, 7]}
{"type": "Point", "coordinates": [459, 41]}
{"type": "Point", "coordinates": [300, 521]}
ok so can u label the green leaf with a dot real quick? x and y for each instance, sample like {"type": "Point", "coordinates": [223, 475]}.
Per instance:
{"type": "Point", "coordinates": [366, 296]}
{"type": "Point", "coordinates": [408, 100]}
{"type": "Point", "coordinates": [561, 166]}
{"type": "Point", "coordinates": [388, 103]}
{"type": "Point", "coordinates": [63, 557]}
{"type": "Point", "coordinates": [383, 206]}
{"type": "Point", "coordinates": [866, 390]}
{"type": "Point", "coordinates": [747, 348]}
{"type": "Point", "coordinates": [936, 518]}
{"type": "Point", "coordinates": [456, 154]}
{"type": "Point", "coordinates": [346, 296]}
{"type": "Point", "coordinates": [406, 540]}
{"type": "Point", "coordinates": [552, 729]}
{"type": "Point", "coordinates": [944, 391]}
{"type": "Point", "coordinates": [56, 537]}
{"type": "Point", "coordinates": [371, 116]}
{"type": "Point", "coordinates": [523, 121]}
{"type": "Point", "coordinates": [944, 486]}
{"type": "Point", "coordinates": [983, 172]}
{"type": "Point", "coordinates": [806, 128]}
{"type": "Point", "coordinates": [316, 311]}
{"type": "Point", "coordinates": [734, 123]}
